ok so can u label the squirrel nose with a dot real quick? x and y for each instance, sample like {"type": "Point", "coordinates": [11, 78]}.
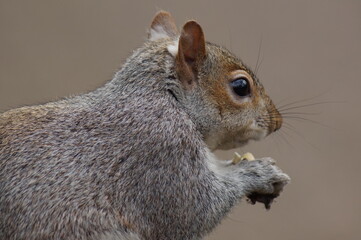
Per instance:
{"type": "Point", "coordinates": [278, 122]}
{"type": "Point", "coordinates": [277, 119]}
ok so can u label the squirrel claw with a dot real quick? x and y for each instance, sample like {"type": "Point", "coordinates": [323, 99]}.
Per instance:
{"type": "Point", "coordinates": [266, 199]}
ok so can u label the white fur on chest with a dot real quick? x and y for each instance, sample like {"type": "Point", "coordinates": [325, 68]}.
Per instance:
{"type": "Point", "coordinates": [223, 169]}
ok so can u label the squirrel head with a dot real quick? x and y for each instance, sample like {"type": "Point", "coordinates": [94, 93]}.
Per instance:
{"type": "Point", "coordinates": [222, 96]}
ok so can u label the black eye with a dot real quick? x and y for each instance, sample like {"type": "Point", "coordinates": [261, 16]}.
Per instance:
{"type": "Point", "coordinates": [241, 87]}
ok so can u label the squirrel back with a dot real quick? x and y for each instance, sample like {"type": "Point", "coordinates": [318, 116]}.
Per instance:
{"type": "Point", "coordinates": [133, 159]}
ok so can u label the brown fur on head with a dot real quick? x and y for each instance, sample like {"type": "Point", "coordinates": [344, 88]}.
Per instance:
{"type": "Point", "coordinates": [226, 114]}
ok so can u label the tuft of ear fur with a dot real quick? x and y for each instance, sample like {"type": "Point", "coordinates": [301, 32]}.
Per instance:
{"type": "Point", "coordinates": [163, 26]}
{"type": "Point", "coordinates": [191, 53]}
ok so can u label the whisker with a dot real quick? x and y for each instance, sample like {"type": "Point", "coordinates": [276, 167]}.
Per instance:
{"type": "Point", "coordinates": [282, 100]}
{"type": "Point", "coordinates": [307, 105]}
{"type": "Point", "coordinates": [290, 127]}
{"type": "Point", "coordinates": [283, 137]}
{"type": "Point", "coordinates": [258, 55]}
{"type": "Point", "coordinates": [301, 100]}
{"type": "Point", "coordinates": [277, 142]}
{"type": "Point", "coordinates": [295, 113]}
{"type": "Point", "coordinates": [309, 120]}
{"type": "Point", "coordinates": [230, 38]}
{"type": "Point", "coordinates": [235, 220]}
{"type": "Point", "coordinates": [260, 64]}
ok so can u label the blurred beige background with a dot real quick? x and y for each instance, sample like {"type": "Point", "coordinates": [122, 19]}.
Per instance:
{"type": "Point", "coordinates": [309, 49]}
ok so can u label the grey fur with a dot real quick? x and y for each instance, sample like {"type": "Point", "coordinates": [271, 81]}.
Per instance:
{"type": "Point", "coordinates": [128, 159]}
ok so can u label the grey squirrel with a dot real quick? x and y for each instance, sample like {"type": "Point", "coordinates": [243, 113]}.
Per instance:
{"type": "Point", "coordinates": [133, 159]}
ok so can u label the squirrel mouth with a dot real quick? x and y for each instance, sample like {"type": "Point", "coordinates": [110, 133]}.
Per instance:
{"type": "Point", "coordinates": [236, 139]}
{"type": "Point", "coordinates": [255, 133]}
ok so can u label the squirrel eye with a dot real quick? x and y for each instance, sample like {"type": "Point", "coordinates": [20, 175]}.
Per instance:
{"type": "Point", "coordinates": [241, 87]}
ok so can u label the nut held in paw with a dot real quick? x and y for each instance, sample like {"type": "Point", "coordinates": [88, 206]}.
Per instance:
{"type": "Point", "coordinates": [247, 156]}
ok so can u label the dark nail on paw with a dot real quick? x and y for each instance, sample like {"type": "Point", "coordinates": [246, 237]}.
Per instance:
{"type": "Point", "coordinates": [266, 199]}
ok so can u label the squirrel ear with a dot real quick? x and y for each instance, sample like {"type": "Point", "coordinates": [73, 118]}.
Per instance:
{"type": "Point", "coordinates": [163, 26]}
{"type": "Point", "coordinates": [191, 52]}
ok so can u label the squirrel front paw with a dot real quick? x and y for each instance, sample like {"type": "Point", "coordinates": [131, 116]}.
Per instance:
{"type": "Point", "coordinates": [264, 180]}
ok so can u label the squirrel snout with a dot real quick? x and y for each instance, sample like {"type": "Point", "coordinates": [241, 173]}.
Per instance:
{"type": "Point", "coordinates": [276, 119]}
{"type": "Point", "coordinates": [278, 123]}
